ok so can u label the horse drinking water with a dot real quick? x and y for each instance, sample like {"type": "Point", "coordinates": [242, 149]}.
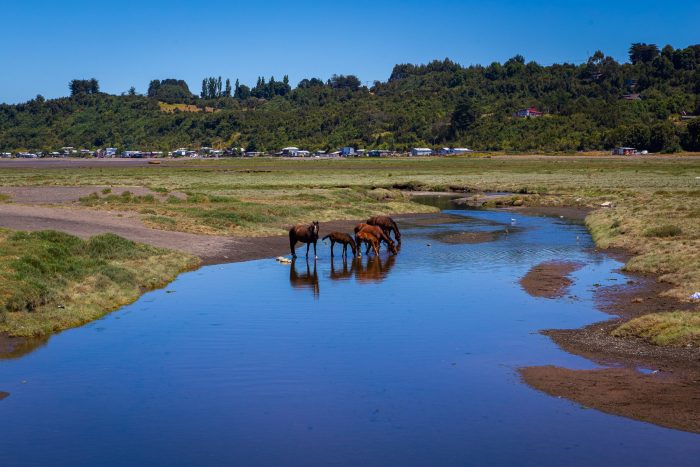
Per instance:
{"type": "Point", "coordinates": [304, 233]}
{"type": "Point", "coordinates": [378, 233]}
{"type": "Point", "coordinates": [387, 225]}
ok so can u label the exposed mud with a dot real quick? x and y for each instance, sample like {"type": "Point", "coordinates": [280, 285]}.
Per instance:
{"type": "Point", "coordinates": [667, 400]}
{"type": "Point", "coordinates": [456, 238]}
{"type": "Point", "coordinates": [668, 396]}
{"type": "Point", "coordinates": [550, 279]}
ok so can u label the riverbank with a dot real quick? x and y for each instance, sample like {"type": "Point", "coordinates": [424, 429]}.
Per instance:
{"type": "Point", "coordinates": [640, 380]}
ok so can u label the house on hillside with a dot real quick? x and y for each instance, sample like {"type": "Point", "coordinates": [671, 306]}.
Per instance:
{"type": "Point", "coordinates": [529, 112]}
{"type": "Point", "coordinates": [421, 152]}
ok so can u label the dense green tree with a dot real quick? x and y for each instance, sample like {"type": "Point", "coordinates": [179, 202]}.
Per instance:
{"type": "Point", "coordinates": [440, 102]}
{"type": "Point", "coordinates": [84, 86]}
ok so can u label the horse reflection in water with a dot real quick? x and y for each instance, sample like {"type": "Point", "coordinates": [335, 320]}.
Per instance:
{"type": "Point", "coordinates": [375, 269]}
{"type": "Point", "coordinates": [346, 272]}
{"type": "Point", "coordinates": [308, 280]}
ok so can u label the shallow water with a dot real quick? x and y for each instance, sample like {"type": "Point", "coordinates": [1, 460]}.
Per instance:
{"type": "Point", "coordinates": [398, 361]}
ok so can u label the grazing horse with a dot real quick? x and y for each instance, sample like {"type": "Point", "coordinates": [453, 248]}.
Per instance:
{"type": "Point", "coordinates": [344, 239]}
{"type": "Point", "coordinates": [363, 236]}
{"type": "Point", "coordinates": [387, 224]}
{"type": "Point", "coordinates": [377, 232]}
{"type": "Point", "coordinates": [304, 233]}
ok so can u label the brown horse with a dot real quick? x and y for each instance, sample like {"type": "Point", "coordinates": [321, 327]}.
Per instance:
{"type": "Point", "coordinates": [387, 224]}
{"type": "Point", "coordinates": [377, 232]}
{"type": "Point", "coordinates": [344, 239]}
{"type": "Point", "coordinates": [363, 236]}
{"type": "Point", "coordinates": [304, 233]}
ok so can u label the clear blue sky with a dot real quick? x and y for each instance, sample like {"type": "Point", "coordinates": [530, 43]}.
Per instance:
{"type": "Point", "coordinates": [46, 44]}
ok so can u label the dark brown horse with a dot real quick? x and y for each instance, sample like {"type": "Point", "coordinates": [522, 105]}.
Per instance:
{"type": "Point", "coordinates": [304, 233]}
{"type": "Point", "coordinates": [378, 233]}
{"type": "Point", "coordinates": [387, 224]}
{"type": "Point", "coordinates": [344, 239]}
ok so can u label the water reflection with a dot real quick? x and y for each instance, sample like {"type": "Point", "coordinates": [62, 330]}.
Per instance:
{"type": "Point", "coordinates": [375, 269]}
{"type": "Point", "coordinates": [307, 280]}
{"type": "Point", "coordinates": [347, 270]}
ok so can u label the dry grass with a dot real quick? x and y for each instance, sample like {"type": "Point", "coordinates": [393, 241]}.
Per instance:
{"type": "Point", "coordinates": [172, 108]}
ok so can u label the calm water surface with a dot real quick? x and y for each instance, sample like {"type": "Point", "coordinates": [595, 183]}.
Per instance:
{"type": "Point", "coordinates": [406, 361]}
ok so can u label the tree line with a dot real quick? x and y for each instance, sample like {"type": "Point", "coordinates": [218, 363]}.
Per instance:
{"type": "Point", "coordinates": [648, 102]}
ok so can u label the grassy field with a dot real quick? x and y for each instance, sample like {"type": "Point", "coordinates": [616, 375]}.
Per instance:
{"type": "Point", "coordinates": [51, 281]}
{"type": "Point", "coordinates": [655, 201]}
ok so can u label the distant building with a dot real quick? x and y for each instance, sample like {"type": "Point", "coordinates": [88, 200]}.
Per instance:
{"type": "Point", "coordinates": [377, 153]}
{"type": "Point", "coordinates": [451, 151]}
{"type": "Point", "coordinates": [5, 155]}
{"type": "Point", "coordinates": [624, 151]}
{"type": "Point", "coordinates": [421, 152]}
{"type": "Point", "coordinates": [347, 151]}
{"type": "Point", "coordinates": [253, 153]}
{"type": "Point", "coordinates": [529, 112]}
{"type": "Point", "coordinates": [110, 152]}
{"type": "Point", "coordinates": [132, 154]}
{"type": "Point", "coordinates": [289, 151]}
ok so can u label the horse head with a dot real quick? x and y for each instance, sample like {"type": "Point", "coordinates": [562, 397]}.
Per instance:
{"type": "Point", "coordinates": [392, 247]}
{"type": "Point", "coordinates": [314, 229]}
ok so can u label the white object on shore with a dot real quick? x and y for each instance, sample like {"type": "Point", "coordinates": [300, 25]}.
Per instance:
{"type": "Point", "coordinates": [607, 204]}
{"type": "Point", "coordinates": [283, 260]}
{"type": "Point", "coordinates": [695, 296]}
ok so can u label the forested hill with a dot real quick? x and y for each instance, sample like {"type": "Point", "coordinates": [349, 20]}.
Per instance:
{"type": "Point", "coordinates": [646, 103]}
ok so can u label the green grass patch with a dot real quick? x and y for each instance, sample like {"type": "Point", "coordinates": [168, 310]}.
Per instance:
{"type": "Point", "coordinates": [51, 281]}
{"type": "Point", "coordinates": [674, 329]}
{"type": "Point", "coordinates": [663, 231]}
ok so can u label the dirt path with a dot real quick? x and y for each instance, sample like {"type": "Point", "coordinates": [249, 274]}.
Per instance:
{"type": "Point", "coordinates": [85, 223]}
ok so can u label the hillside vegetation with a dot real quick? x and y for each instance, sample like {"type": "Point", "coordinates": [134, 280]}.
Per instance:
{"type": "Point", "coordinates": [441, 103]}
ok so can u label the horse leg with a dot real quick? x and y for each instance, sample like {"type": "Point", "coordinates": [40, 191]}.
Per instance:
{"type": "Point", "coordinates": [307, 249]}
{"type": "Point", "coordinates": [292, 242]}
{"type": "Point", "coordinates": [376, 248]}
{"type": "Point", "coordinates": [315, 255]}
{"type": "Point", "coordinates": [332, 243]}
